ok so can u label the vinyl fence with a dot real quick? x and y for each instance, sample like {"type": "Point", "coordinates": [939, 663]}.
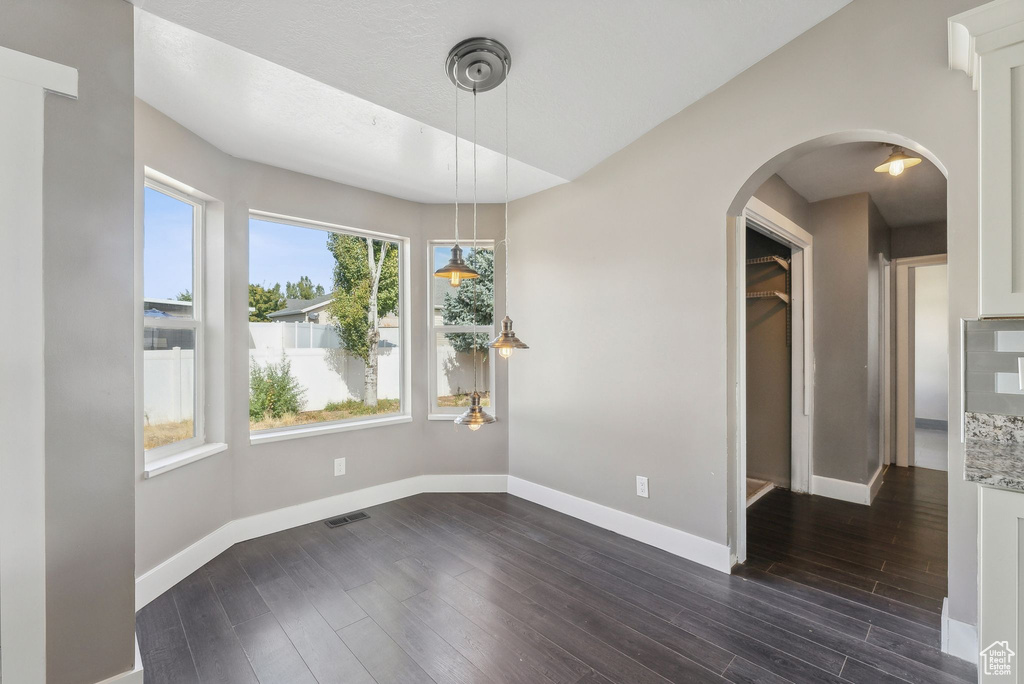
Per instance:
{"type": "Point", "coordinates": [318, 361]}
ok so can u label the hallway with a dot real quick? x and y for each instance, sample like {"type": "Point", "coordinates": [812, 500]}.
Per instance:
{"type": "Point", "coordinates": [884, 565]}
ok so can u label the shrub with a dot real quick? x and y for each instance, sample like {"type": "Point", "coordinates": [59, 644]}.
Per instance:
{"type": "Point", "coordinates": [273, 391]}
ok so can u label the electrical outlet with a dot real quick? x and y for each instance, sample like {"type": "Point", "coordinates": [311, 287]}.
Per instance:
{"type": "Point", "coordinates": [339, 467]}
{"type": "Point", "coordinates": [641, 487]}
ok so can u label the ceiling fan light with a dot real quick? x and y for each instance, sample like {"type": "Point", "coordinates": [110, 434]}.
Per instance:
{"type": "Point", "coordinates": [474, 416]}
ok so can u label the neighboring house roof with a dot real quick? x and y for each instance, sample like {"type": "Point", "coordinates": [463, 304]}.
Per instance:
{"type": "Point", "coordinates": [439, 293]}
{"type": "Point", "coordinates": [300, 306]}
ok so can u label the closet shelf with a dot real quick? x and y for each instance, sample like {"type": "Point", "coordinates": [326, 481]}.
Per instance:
{"type": "Point", "coordinates": [769, 259]}
{"type": "Point", "coordinates": [768, 294]}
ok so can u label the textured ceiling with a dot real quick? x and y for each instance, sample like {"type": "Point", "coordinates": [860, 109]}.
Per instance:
{"type": "Point", "coordinates": [588, 76]}
{"type": "Point", "coordinates": [917, 196]}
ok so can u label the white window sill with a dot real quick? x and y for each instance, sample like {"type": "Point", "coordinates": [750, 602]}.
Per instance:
{"type": "Point", "coordinates": [182, 458]}
{"type": "Point", "coordinates": [316, 430]}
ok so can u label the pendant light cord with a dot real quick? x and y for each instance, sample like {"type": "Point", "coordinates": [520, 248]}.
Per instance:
{"type": "Point", "coordinates": [474, 245]}
{"type": "Point", "coordinates": [508, 258]}
{"type": "Point", "coordinates": [456, 160]}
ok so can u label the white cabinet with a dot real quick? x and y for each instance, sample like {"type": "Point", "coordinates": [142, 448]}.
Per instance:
{"type": "Point", "coordinates": [1000, 613]}
{"type": "Point", "coordinates": [987, 43]}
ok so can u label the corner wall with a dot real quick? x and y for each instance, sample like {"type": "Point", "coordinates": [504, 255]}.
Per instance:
{"type": "Point", "coordinates": [637, 248]}
{"type": "Point", "coordinates": [180, 507]}
{"type": "Point", "coordinates": [87, 306]}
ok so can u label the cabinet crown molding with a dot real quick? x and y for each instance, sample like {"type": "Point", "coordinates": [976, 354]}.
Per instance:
{"type": "Point", "coordinates": [983, 29]}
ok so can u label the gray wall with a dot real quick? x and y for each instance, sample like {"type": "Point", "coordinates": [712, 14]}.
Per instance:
{"type": "Point", "coordinates": [841, 385]}
{"type": "Point", "coordinates": [921, 240]}
{"type": "Point", "coordinates": [87, 255]}
{"type": "Point", "coordinates": [178, 508]}
{"type": "Point", "coordinates": [672, 190]}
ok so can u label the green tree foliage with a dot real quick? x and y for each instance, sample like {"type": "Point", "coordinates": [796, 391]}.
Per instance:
{"type": "Point", "coordinates": [273, 391]}
{"type": "Point", "coordinates": [263, 301]}
{"type": "Point", "coordinates": [304, 289]}
{"type": "Point", "coordinates": [458, 306]}
{"type": "Point", "coordinates": [185, 296]}
{"type": "Point", "coordinates": [353, 282]}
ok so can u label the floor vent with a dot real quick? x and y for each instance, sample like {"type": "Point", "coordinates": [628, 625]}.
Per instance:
{"type": "Point", "coordinates": [346, 519]}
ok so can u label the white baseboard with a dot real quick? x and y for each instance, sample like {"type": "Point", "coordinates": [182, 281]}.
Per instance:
{"type": "Point", "coordinates": [683, 544]}
{"type": "Point", "coordinates": [875, 484]}
{"type": "Point", "coordinates": [959, 639]}
{"type": "Point", "coordinates": [844, 490]}
{"type": "Point", "coordinates": [751, 500]}
{"type": "Point", "coordinates": [179, 566]}
{"type": "Point", "coordinates": [132, 676]}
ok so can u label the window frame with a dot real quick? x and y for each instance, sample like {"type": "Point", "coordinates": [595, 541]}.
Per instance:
{"type": "Point", "coordinates": [404, 413]}
{"type": "Point", "coordinates": [435, 412]}
{"type": "Point", "coordinates": [196, 323]}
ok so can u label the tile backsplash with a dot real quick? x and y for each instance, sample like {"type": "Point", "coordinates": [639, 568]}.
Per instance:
{"type": "Point", "coordinates": [991, 381]}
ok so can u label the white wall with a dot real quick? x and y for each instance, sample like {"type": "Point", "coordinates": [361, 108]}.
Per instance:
{"type": "Point", "coordinates": [931, 346]}
{"type": "Point", "coordinates": [658, 208]}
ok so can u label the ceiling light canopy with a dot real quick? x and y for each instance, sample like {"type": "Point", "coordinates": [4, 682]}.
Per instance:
{"type": "Point", "coordinates": [897, 162]}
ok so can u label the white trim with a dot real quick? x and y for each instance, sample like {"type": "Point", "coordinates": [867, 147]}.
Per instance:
{"type": "Point", "coordinates": [698, 549]}
{"type": "Point", "coordinates": [36, 71]}
{"type": "Point", "coordinates": [23, 82]}
{"type": "Point", "coordinates": [182, 458]}
{"type": "Point", "coordinates": [982, 29]}
{"type": "Point", "coordinates": [317, 429]}
{"type": "Point", "coordinates": [844, 490]}
{"type": "Point", "coordinates": [132, 676]}
{"type": "Point", "coordinates": [959, 639]}
{"type": "Point", "coordinates": [875, 483]}
{"type": "Point", "coordinates": [156, 581]}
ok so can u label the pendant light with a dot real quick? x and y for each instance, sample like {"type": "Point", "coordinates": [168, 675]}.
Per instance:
{"type": "Point", "coordinates": [897, 162]}
{"type": "Point", "coordinates": [506, 342]}
{"type": "Point", "coordinates": [456, 270]}
{"type": "Point", "coordinates": [476, 65]}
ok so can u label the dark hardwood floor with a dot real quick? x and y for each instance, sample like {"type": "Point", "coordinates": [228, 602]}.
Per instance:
{"type": "Point", "coordinates": [492, 588]}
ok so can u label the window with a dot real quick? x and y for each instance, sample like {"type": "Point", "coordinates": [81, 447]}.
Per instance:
{"type": "Point", "coordinates": [172, 320]}
{"type": "Point", "coordinates": [456, 332]}
{"type": "Point", "coordinates": [325, 326]}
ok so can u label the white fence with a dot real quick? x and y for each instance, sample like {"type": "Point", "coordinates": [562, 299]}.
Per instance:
{"type": "Point", "coordinates": [169, 385]}
{"type": "Point", "coordinates": [319, 363]}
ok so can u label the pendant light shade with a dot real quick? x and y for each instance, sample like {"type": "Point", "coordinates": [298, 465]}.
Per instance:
{"type": "Point", "coordinates": [456, 270]}
{"type": "Point", "coordinates": [897, 162]}
{"type": "Point", "coordinates": [506, 342]}
{"type": "Point", "coordinates": [474, 416]}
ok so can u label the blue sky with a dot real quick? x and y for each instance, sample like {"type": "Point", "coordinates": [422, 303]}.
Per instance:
{"type": "Point", "coordinates": [167, 255]}
{"type": "Point", "coordinates": [280, 253]}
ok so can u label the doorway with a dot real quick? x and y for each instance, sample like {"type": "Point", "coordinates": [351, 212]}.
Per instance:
{"type": "Point", "coordinates": [922, 362]}
{"type": "Point", "coordinates": [774, 295]}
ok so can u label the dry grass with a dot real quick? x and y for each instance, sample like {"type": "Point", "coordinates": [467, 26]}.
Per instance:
{"type": "Point", "coordinates": [332, 412]}
{"type": "Point", "coordinates": [159, 435]}
{"type": "Point", "coordinates": [463, 399]}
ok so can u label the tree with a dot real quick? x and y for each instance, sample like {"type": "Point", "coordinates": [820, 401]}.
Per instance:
{"type": "Point", "coordinates": [365, 290]}
{"type": "Point", "coordinates": [304, 289]}
{"type": "Point", "coordinates": [263, 301]}
{"type": "Point", "coordinates": [185, 296]}
{"type": "Point", "coordinates": [458, 306]}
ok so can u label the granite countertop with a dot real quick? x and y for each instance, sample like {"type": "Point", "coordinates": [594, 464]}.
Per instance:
{"type": "Point", "coordinates": [995, 465]}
